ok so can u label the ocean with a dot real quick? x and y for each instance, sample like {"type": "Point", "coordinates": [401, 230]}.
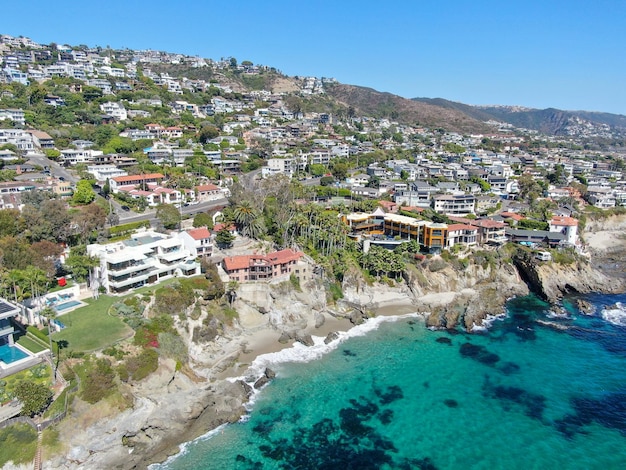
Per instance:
{"type": "Point", "coordinates": [539, 389]}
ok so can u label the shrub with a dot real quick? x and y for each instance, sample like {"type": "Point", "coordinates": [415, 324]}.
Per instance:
{"type": "Point", "coordinates": [114, 352]}
{"type": "Point", "coordinates": [335, 291]}
{"type": "Point", "coordinates": [171, 345]}
{"type": "Point", "coordinates": [35, 397]}
{"type": "Point", "coordinates": [141, 366]}
{"type": "Point", "coordinates": [295, 282]}
{"type": "Point", "coordinates": [98, 382]}
{"type": "Point", "coordinates": [437, 265]}
{"type": "Point", "coordinates": [174, 299]}
{"type": "Point", "coordinates": [19, 443]}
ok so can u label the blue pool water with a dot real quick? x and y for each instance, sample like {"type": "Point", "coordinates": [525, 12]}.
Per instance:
{"type": "Point", "coordinates": [542, 389]}
{"type": "Point", "coordinates": [9, 354]}
{"type": "Point", "coordinates": [66, 305]}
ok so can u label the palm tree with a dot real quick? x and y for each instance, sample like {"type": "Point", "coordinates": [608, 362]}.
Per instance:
{"type": "Point", "coordinates": [50, 314]}
{"type": "Point", "coordinates": [249, 220]}
{"type": "Point", "coordinates": [244, 213]}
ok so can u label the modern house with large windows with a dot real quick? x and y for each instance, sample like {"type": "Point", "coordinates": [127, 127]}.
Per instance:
{"type": "Point", "coordinates": [13, 357]}
{"type": "Point", "coordinates": [147, 258]}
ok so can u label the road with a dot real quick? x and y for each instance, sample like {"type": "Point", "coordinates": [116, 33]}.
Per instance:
{"type": "Point", "coordinates": [127, 217]}
{"type": "Point", "coordinates": [55, 169]}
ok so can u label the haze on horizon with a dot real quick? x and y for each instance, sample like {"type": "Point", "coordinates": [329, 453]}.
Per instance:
{"type": "Point", "coordinates": [533, 54]}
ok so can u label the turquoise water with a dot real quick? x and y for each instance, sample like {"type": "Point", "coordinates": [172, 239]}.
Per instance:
{"type": "Point", "coordinates": [66, 305]}
{"type": "Point", "coordinates": [9, 354]}
{"type": "Point", "coordinates": [522, 395]}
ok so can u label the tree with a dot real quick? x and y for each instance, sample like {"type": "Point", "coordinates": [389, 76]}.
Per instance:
{"type": "Point", "coordinates": [224, 238]}
{"type": "Point", "coordinates": [203, 220]}
{"type": "Point", "coordinates": [88, 219]}
{"type": "Point", "coordinates": [45, 256]}
{"type": "Point", "coordinates": [454, 148]}
{"type": "Point", "coordinates": [340, 171]}
{"type": "Point", "coordinates": [84, 193]}
{"type": "Point", "coordinates": [50, 314]}
{"type": "Point", "coordinates": [80, 263]}
{"type": "Point", "coordinates": [207, 133]}
{"type": "Point", "coordinates": [249, 220]}
{"type": "Point", "coordinates": [317, 169]}
{"type": "Point", "coordinates": [9, 222]}
{"type": "Point", "coordinates": [34, 397]}
{"type": "Point", "coordinates": [168, 215]}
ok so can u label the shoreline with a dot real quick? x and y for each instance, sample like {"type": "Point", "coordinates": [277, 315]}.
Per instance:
{"type": "Point", "coordinates": [262, 343]}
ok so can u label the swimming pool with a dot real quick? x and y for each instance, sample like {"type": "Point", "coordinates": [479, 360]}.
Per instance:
{"type": "Point", "coordinates": [9, 354]}
{"type": "Point", "coordinates": [66, 305]}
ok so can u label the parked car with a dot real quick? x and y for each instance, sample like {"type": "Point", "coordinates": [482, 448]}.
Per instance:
{"type": "Point", "coordinates": [125, 208]}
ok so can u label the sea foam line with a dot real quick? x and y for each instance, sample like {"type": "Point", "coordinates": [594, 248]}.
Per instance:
{"type": "Point", "coordinates": [296, 353]}
{"type": "Point", "coordinates": [184, 448]}
{"type": "Point", "coordinates": [616, 316]}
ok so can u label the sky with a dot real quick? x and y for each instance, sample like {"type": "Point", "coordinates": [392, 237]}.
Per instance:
{"type": "Point", "coordinates": [549, 53]}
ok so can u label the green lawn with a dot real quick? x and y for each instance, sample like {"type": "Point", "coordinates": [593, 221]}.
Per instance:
{"type": "Point", "coordinates": [31, 345]}
{"type": "Point", "coordinates": [91, 328]}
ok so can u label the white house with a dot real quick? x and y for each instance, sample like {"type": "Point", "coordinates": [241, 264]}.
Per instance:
{"type": "Point", "coordinates": [567, 226]}
{"type": "Point", "coordinates": [15, 115]}
{"type": "Point", "coordinates": [72, 157]}
{"type": "Point", "coordinates": [104, 172]}
{"type": "Point", "coordinates": [147, 258]}
{"type": "Point", "coordinates": [116, 110]}
{"type": "Point", "coordinates": [198, 241]}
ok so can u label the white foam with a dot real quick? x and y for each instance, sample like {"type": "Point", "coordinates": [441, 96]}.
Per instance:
{"type": "Point", "coordinates": [561, 314]}
{"type": "Point", "coordinates": [488, 321]}
{"type": "Point", "coordinates": [296, 353]}
{"type": "Point", "coordinates": [616, 316]}
{"type": "Point", "coordinates": [184, 448]}
{"type": "Point", "coordinates": [300, 353]}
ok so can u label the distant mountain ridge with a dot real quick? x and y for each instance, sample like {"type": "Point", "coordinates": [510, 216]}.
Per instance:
{"type": "Point", "coordinates": [464, 118]}
{"type": "Point", "coordinates": [548, 121]}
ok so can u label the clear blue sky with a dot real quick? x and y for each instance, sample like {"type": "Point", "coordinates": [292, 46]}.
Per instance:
{"type": "Point", "coordinates": [536, 53]}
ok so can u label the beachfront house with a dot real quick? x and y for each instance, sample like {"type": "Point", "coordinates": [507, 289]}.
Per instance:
{"type": "Point", "coordinates": [146, 258]}
{"type": "Point", "coordinates": [256, 267]}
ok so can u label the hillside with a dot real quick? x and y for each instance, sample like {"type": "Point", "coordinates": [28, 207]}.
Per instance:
{"type": "Point", "coordinates": [369, 102]}
{"type": "Point", "coordinates": [548, 121]}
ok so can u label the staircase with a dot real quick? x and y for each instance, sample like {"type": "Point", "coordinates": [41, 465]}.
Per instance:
{"type": "Point", "coordinates": [37, 463]}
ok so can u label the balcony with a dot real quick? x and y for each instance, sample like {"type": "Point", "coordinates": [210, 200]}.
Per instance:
{"type": "Point", "coordinates": [128, 281]}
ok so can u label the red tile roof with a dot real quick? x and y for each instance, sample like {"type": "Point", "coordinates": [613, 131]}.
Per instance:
{"type": "Point", "coordinates": [277, 258]}
{"type": "Point", "coordinates": [200, 233]}
{"type": "Point", "coordinates": [564, 221]}
{"type": "Point", "coordinates": [207, 187]}
{"type": "Point", "coordinates": [129, 178]}
{"type": "Point", "coordinates": [512, 215]}
{"type": "Point", "coordinates": [457, 227]}
{"type": "Point", "coordinates": [487, 223]}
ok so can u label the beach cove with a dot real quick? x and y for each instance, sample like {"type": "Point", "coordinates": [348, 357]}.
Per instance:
{"type": "Point", "coordinates": [173, 407]}
{"type": "Point", "coordinates": [541, 387]}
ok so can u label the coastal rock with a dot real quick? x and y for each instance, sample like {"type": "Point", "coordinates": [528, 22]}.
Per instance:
{"type": "Point", "coordinates": [263, 380]}
{"type": "Point", "coordinates": [320, 319]}
{"type": "Point", "coordinates": [551, 281]}
{"type": "Point", "coordinates": [357, 317]}
{"type": "Point", "coordinates": [270, 374]}
{"type": "Point", "coordinates": [285, 337]}
{"type": "Point", "coordinates": [330, 337]}
{"type": "Point", "coordinates": [585, 306]}
{"type": "Point", "coordinates": [304, 339]}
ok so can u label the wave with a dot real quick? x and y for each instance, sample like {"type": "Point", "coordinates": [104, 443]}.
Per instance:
{"type": "Point", "coordinates": [561, 314]}
{"type": "Point", "coordinates": [301, 353]}
{"type": "Point", "coordinates": [184, 448]}
{"type": "Point", "coordinates": [488, 322]}
{"type": "Point", "coordinates": [615, 314]}
{"type": "Point", "coordinates": [296, 353]}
